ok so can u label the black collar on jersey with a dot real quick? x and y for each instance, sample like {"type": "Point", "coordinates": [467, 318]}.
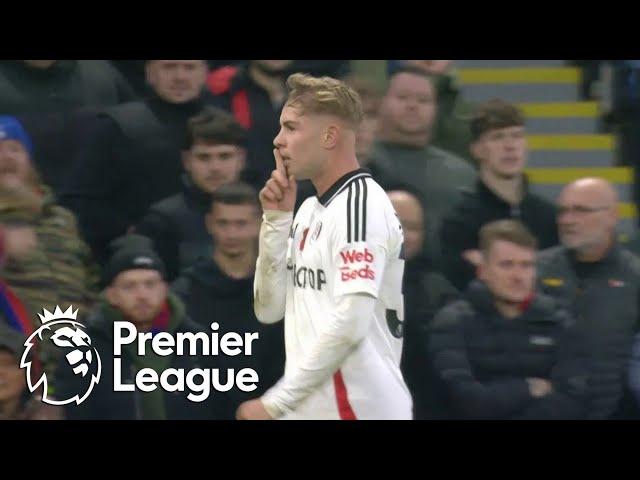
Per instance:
{"type": "Point", "coordinates": [337, 187]}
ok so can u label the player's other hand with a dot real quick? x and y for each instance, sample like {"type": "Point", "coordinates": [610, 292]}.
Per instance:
{"type": "Point", "coordinates": [279, 193]}
{"type": "Point", "coordinates": [252, 410]}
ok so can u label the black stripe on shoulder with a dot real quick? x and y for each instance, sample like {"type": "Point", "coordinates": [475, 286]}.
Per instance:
{"type": "Point", "coordinates": [364, 209]}
{"type": "Point", "coordinates": [349, 215]}
{"type": "Point", "coordinates": [357, 220]}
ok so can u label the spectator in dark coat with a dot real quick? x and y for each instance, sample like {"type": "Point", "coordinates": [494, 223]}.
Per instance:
{"type": "Point", "coordinates": [425, 292]}
{"type": "Point", "coordinates": [599, 281]}
{"type": "Point", "coordinates": [501, 192]}
{"type": "Point", "coordinates": [505, 352]}
{"type": "Point", "coordinates": [136, 293]}
{"type": "Point", "coordinates": [52, 99]}
{"type": "Point", "coordinates": [220, 288]}
{"type": "Point", "coordinates": [131, 158]}
{"type": "Point", "coordinates": [214, 156]}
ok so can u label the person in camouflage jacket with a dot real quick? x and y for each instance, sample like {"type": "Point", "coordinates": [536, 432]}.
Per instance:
{"type": "Point", "coordinates": [60, 271]}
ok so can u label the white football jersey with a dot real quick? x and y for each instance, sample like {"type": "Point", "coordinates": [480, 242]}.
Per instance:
{"type": "Point", "coordinates": [349, 241]}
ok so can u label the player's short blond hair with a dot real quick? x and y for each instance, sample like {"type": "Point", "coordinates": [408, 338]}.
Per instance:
{"type": "Point", "coordinates": [325, 95]}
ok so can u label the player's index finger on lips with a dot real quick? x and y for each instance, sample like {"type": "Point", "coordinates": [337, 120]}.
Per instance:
{"type": "Point", "coordinates": [280, 167]}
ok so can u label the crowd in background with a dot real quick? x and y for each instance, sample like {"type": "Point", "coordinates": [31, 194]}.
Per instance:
{"type": "Point", "coordinates": [128, 189]}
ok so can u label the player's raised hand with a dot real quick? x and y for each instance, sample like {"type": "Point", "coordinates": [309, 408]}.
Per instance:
{"type": "Point", "coordinates": [279, 193]}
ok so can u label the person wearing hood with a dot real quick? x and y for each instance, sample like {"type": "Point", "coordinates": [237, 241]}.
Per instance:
{"type": "Point", "coordinates": [220, 288]}
{"type": "Point", "coordinates": [130, 157]}
{"type": "Point", "coordinates": [214, 156]}
{"type": "Point", "coordinates": [136, 292]}
{"type": "Point", "coordinates": [60, 270]}
{"type": "Point", "coordinates": [425, 291]}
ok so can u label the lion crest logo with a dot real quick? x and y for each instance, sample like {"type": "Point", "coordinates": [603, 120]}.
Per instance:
{"type": "Point", "coordinates": [82, 358]}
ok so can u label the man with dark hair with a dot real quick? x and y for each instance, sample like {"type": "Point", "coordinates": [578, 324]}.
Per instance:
{"type": "Point", "coordinates": [404, 152]}
{"type": "Point", "coordinates": [451, 131]}
{"type": "Point", "coordinates": [599, 281]}
{"type": "Point", "coordinates": [501, 192]}
{"type": "Point", "coordinates": [503, 352]}
{"type": "Point", "coordinates": [136, 292]}
{"type": "Point", "coordinates": [220, 288]}
{"type": "Point", "coordinates": [130, 158]}
{"type": "Point", "coordinates": [214, 156]}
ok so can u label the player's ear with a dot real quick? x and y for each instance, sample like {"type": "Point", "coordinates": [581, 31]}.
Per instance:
{"type": "Point", "coordinates": [331, 136]}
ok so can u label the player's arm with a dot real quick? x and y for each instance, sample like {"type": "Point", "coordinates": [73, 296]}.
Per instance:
{"type": "Point", "coordinates": [278, 199]}
{"type": "Point", "coordinates": [346, 328]}
{"type": "Point", "coordinates": [271, 269]}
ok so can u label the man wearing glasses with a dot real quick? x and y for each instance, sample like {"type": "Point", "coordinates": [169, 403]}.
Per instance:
{"type": "Point", "coordinates": [600, 282]}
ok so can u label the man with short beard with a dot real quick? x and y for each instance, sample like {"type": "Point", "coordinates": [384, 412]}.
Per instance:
{"type": "Point", "coordinates": [136, 292]}
{"type": "Point", "coordinates": [501, 192]}
{"type": "Point", "coordinates": [255, 94]}
{"type": "Point", "coordinates": [599, 281]}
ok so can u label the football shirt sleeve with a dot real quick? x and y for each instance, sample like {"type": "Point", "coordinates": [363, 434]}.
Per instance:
{"type": "Point", "coordinates": [269, 288]}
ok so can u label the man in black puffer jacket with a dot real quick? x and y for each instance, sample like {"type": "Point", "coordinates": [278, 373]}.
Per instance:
{"type": "Point", "coordinates": [137, 293]}
{"type": "Point", "coordinates": [504, 353]}
{"type": "Point", "coordinates": [214, 156]}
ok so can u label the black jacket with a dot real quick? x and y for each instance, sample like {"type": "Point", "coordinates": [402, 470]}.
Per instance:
{"type": "Point", "coordinates": [483, 359]}
{"type": "Point", "coordinates": [603, 297]}
{"type": "Point", "coordinates": [212, 296]}
{"type": "Point", "coordinates": [479, 206]}
{"type": "Point", "coordinates": [425, 293]}
{"type": "Point", "coordinates": [177, 227]}
{"type": "Point", "coordinates": [65, 86]}
{"type": "Point", "coordinates": [131, 159]}
{"type": "Point", "coordinates": [52, 103]}
{"type": "Point", "coordinates": [105, 404]}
